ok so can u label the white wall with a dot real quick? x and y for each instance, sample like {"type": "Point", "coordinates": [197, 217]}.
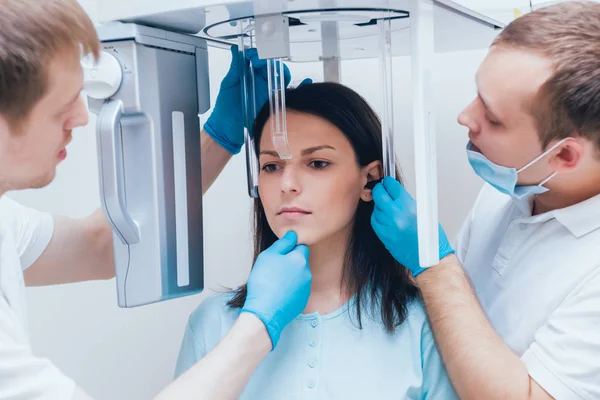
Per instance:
{"type": "Point", "coordinates": [500, 10]}
{"type": "Point", "coordinates": [129, 354]}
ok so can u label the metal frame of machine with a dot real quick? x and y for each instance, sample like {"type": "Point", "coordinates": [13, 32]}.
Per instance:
{"type": "Point", "coordinates": [282, 30]}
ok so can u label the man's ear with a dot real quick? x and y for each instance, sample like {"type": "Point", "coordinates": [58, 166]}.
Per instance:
{"type": "Point", "coordinates": [570, 155]}
{"type": "Point", "coordinates": [372, 173]}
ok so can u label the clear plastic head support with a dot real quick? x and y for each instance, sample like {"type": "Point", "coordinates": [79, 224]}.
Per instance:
{"type": "Point", "coordinates": [272, 31]}
{"type": "Point", "coordinates": [387, 117]}
{"type": "Point", "coordinates": [276, 82]}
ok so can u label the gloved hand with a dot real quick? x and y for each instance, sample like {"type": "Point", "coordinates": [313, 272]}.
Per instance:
{"type": "Point", "coordinates": [394, 220]}
{"type": "Point", "coordinates": [226, 123]}
{"type": "Point", "coordinates": [279, 285]}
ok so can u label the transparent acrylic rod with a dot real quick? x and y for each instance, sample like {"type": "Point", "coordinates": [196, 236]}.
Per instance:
{"type": "Point", "coordinates": [387, 120]}
{"type": "Point", "coordinates": [276, 82]}
{"type": "Point", "coordinates": [249, 110]}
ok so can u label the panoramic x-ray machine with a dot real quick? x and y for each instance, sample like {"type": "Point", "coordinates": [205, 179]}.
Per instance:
{"type": "Point", "coordinates": [151, 85]}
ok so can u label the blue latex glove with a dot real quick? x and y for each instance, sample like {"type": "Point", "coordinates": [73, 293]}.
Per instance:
{"type": "Point", "coordinates": [226, 122]}
{"type": "Point", "coordinates": [279, 285]}
{"type": "Point", "coordinates": [394, 220]}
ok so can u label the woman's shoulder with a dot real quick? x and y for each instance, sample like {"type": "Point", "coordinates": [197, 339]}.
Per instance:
{"type": "Point", "coordinates": [416, 311]}
{"type": "Point", "coordinates": [416, 318]}
{"type": "Point", "coordinates": [436, 384]}
{"type": "Point", "coordinates": [213, 312]}
{"type": "Point", "coordinates": [206, 326]}
{"type": "Point", "coordinates": [419, 323]}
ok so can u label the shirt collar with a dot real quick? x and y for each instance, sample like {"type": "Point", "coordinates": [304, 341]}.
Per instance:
{"type": "Point", "coordinates": [581, 218]}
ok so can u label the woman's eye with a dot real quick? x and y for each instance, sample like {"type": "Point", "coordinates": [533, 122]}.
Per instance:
{"type": "Point", "coordinates": [270, 167]}
{"type": "Point", "coordinates": [319, 164]}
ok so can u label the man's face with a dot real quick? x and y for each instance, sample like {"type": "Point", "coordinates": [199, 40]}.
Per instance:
{"type": "Point", "coordinates": [29, 156]}
{"type": "Point", "coordinates": [499, 119]}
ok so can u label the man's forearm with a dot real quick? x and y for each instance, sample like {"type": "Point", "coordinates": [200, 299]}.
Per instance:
{"type": "Point", "coordinates": [478, 362]}
{"type": "Point", "coordinates": [224, 372]}
{"type": "Point", "coordinates": [214, 159]}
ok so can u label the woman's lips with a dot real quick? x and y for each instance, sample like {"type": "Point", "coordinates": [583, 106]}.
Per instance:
{"type": "Point", "coordinates": [293, 212]}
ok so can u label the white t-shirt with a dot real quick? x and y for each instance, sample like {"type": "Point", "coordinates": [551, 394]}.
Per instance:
{"type": "Point", "coordinates": [24, 235]}
{"type": "Point", "coordinates": [538, 281]}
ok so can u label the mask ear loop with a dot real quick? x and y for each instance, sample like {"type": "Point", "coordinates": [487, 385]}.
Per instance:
{"type": "Point", "coordinates": [544, 154]}
{"type": "Point", "coordinates": [542, 183]}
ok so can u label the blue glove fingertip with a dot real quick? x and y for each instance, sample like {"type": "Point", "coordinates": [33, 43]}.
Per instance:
{"type": "Point", "coordinates": [389, 180]}
{"type": "Point", "coordinates": [377, 192]}
{"type": "Point", "coordinates": [381, 197]}
{"type": "Point", "coordinates": [393, 187]}
{"type": "Point", "coordinates": [252, 56]}
{"type": "Point", "coordinates": [286, 244]}
{"type": "Point", "coordinates": [291, 236]}
{"type": "Point", "coordinates": [233, 74]}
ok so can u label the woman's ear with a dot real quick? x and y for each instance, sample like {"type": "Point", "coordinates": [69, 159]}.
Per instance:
{"type": "Point", "coordinates": [371, 173]}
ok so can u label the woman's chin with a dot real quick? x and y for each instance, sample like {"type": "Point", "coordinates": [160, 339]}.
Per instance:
{"type": "Point", "coordinates": [306, 236]}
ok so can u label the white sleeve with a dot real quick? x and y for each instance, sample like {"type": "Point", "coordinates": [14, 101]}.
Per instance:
{"type": "Point", "coordinates": [32, 229]}
{"type": "Point", "coordinates": [22, 375]}
{"type": "Point", "coordinates": [564, 357]}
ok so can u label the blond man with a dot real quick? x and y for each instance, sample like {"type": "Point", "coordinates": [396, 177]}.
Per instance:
{"type": "Point", "coordinates": [41, 79]}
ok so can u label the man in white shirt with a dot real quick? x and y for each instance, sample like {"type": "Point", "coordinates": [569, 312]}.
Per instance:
{"type": "Point", "coordinates": [530, 326]}
{"type": "Point", "coordinates": [40, 104]}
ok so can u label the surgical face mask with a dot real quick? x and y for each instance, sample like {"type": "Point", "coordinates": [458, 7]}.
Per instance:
{"type": "Point", "coordinates": [505, 179]}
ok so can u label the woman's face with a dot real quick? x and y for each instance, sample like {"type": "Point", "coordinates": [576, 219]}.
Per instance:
{"type": "Point", "coordinates": [315, 193]}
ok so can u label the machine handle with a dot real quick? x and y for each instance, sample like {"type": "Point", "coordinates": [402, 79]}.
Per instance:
{"type": "Point", "coordinates": [112, 185]}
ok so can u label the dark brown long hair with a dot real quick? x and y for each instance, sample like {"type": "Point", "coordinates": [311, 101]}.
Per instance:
{"type": "Point", "coordinates": [369, 270]}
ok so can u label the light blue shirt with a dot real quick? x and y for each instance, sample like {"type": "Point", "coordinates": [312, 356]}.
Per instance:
{"type": "Point", "coordinates": [329, 357]}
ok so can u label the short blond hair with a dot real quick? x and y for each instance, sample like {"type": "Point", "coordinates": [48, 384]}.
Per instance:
{"type": "Point", "coordinates": [32, 33]}
{"type": "Point", "coordinates": [569, 35]}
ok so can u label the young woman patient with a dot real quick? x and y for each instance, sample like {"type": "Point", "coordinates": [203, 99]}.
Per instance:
{"type": "Point", "coordinates": [364, 333]}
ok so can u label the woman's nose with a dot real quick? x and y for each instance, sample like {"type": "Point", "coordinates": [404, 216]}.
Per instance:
{"type": "Point", "coordinates": [290, 179]}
